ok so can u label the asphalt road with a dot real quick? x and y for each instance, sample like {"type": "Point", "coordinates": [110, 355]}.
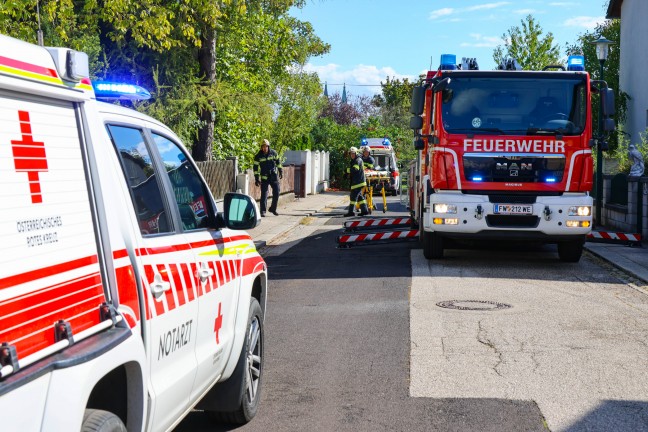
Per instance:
{"type": "Point", "coordinates": [356, 340]}
{"type": "Point", "coordinates": [338, 349]}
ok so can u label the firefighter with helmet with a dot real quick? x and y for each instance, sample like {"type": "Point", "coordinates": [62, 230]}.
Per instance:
{"type": "Point", "coordinates": [357, 176]}
{"type": "Point", "coordinates": [367, 159]}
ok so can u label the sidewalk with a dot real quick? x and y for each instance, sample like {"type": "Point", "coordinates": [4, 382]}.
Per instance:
{"type": "Point", "coordinates": [292, 213]}
{"type": "Point", "coordinates": [633, 260]}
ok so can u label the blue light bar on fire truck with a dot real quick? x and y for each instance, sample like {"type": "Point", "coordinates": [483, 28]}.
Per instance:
{"type": "Point", "coordinates": [105, 90]}
{"type": "Point", "coordinates": [448, 62]}
{"type": "Point", "coordinates": [576, 63]}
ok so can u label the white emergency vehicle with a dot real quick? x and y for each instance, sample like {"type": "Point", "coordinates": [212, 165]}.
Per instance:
{"type": "Point", "coordinates": [385, 163]}
{"type": "Point", "coordinates": [126, 298]}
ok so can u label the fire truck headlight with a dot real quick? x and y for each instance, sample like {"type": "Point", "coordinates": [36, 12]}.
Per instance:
{"type": "Point", "coordinates": [445, 208]}
{"type": "Point", "coordinates": [580, 211]}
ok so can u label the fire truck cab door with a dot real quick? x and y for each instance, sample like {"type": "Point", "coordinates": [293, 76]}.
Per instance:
{"type": "Point", "coordinates": [166, 267]}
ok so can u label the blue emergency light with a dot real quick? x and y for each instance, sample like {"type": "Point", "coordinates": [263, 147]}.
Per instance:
{"type": "Point", "coordinates": [386, 142]}
{"type": "Point", "coordinates": [550, 180]}
{"type": "Point", "coordinates": [477, 179]}
{"type": "Point", "coordinates": [105, 90]}
{"type": "Point", "coordinates": [576, 63]}
{"type": "Point", "coordinates": [448, 62]}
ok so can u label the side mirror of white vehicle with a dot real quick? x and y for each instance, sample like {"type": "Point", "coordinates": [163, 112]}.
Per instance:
{"type": "Point", "coordinates": [240, 211]}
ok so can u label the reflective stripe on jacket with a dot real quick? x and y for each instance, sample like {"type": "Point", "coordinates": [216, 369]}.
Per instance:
{"type": "Point", "coordinates": [266, 164]}
{"type": "Point", "coordinates": [356, 170]}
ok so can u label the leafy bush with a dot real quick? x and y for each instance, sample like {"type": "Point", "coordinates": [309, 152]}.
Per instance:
{"type": "Point", "coordinates": [621, 152]}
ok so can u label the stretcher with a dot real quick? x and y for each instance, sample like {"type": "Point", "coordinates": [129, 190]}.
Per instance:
{"type": "Point", "coordinates": [376, 180]}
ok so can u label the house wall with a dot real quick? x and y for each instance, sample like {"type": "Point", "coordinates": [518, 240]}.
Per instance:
{"type": "Point", "coordinates": [634, 64]}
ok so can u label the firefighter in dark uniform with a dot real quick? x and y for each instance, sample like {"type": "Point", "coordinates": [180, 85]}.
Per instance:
{"type": "Point", "coordinates": [267, 170]}
{"type": "Point", "coordinates": [367, 159]}
{"type": "Point", "coordinates": [356, 174]}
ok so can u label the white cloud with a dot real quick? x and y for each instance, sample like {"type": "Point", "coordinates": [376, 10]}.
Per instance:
{"type": "Point", "coordinates": [525, 11]}
{"type": "Point", "coordinates": [486, 6]}
{"type": "Point", "coordinates": [362, 79]}
{"type": "Point", "coordinates": [441, 13]}
{"type": "Point", "coordinates": [481, 41]}
{"type": "Point", "coordinates": [446, 12]}
{"type": "Point", "coordinates": [584, 21]}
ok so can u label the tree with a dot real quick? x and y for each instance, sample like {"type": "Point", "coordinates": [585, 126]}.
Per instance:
{"type": "Point", "coordinates": [610, 29]}
{"type": "Point", "coordinates": [394, 101]}
{"type": "Point", "coordinates": [526, 45]}
{"type": "Point", "coordinates": [222, 70]}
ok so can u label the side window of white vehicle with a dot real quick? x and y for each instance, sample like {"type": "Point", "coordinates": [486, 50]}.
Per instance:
{"type": "Point", "coordinates": [140, 176]}
{"type": "Point", "coordinates": [190, 192]}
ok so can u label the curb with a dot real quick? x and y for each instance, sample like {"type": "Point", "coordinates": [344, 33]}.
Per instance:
{"type": "Point", "coordinates": [616, 265]}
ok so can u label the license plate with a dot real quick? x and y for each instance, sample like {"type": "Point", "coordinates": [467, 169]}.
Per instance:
{"type": "Point", "coordinates": [513, 209]}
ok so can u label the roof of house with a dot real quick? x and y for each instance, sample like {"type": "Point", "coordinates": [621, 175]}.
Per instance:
{"type": "Point", "coordinates": [614, 9]}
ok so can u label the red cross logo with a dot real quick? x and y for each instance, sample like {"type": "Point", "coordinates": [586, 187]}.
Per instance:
{"type": "Point", "coordinates": [218, 324]}
{"type": "Point", "coordinates": [29, 156]}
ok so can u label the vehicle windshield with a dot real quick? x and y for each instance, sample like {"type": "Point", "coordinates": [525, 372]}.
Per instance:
{"type": "Point", "coordinates": [383, 162]}
{"type": "Point", "coordinates": [515, 105]}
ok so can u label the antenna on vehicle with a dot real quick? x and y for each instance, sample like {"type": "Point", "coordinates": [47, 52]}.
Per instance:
{"type": "Point", "coordinates": [39, 33]}
{"type": "Point", "coordinates": [430, 68]}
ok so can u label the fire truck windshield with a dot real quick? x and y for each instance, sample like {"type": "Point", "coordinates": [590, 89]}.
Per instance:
{"type": "Point", "coordinates": [515, 105]}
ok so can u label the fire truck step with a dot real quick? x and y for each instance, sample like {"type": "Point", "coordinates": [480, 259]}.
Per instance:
{"type": "Point", "coordinates": [348, 240]}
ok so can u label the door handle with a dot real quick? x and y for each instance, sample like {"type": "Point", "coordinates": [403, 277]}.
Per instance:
{"type": "Point", "coordinates": [159, 285]}
{"type": "Point", "coordinates": [205, 272]}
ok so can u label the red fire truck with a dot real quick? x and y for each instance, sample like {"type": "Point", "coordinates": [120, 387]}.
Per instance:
{"type": "Point", "coordinates": [505, 154]}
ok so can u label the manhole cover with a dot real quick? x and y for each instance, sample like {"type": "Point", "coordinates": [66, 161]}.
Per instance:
{"type": "Point", "coordinates": [473, 305]}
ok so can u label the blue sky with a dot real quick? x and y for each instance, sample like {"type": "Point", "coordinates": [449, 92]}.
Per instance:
{"type": "Point", "coordinates": [373, 39]}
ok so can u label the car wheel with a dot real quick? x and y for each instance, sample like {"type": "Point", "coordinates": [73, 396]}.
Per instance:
{"type": "Point", "coordinates": [432, 245]}
{"type": "Point", "coordinates": [248, 375]}
{"type": "Point", "coordinates": [95, 420]}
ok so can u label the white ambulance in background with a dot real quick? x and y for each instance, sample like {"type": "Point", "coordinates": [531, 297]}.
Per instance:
{"type": "Point", "coordinates": [126, 298]}
{"type": "Point", "coordinates": [385, 163]}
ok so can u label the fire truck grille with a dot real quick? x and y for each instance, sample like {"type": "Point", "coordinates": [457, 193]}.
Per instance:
{"type": "Point", "coordinates": [512, 221]}
{"type": "Point", "coordinates": [512, 199]}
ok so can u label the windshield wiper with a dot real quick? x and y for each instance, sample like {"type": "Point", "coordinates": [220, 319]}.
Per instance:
{"type": "Point", "coordinates": [478, 130]}
{"type": "Point", "coordinates": [544, 131]}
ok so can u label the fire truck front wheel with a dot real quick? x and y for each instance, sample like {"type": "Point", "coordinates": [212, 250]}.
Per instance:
{"type": "Point", "coordinates": [95, 420]}
{"type": "Point", "coordinates": [570, 251]}
{"type": "Point", "coordinates": [432, 244]}
{"type": "Point", "coordinates": [243, 388]}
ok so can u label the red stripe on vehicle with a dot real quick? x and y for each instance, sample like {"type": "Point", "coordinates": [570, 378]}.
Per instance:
{"type": "Point", "coordinates": [177, 284]}
{"type": "Point", "coordinates": [28, 67]}
{"type": "Point", "coordinates": [18, 309]}
{"type": "Point", "coordinates": [123, 253]}
{"type": "Point", "coordinates": [47, 271]}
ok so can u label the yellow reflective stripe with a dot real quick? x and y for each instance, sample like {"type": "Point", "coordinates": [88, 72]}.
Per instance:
{"type": "Point", "coordinates": [359, 185]}
{"type": "Point", "coordinates": [246, 249]}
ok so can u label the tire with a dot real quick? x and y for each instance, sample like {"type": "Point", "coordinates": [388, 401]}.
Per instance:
{"type": "Point", "coordinates": [248, 375]}
{"type": "Point", "coordinates": [432, 245]}
{"type": "Point", "coordinates": [570, 251]}
{"type": "Point", "coordinates": [95, 420]}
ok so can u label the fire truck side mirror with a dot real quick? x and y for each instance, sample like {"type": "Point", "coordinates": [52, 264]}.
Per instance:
{"type": "Point", "coordinates": [416, 122]}
{"type": "Point", "coordinates": [418, 100]}
{"type": "Point", "coordinates": [441, 85]}
{"type": "Point", "coordinates": [607, 102]}
{"type": "Point", "coordinates": [419, 144]}
{"type": "Point", "coordinates": [608, 125]}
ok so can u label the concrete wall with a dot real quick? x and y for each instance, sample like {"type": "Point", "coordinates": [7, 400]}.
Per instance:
{"type": "Point", "coordinates": [634, 64]}
{"type": "Point", "coordinates": [624, 218]}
